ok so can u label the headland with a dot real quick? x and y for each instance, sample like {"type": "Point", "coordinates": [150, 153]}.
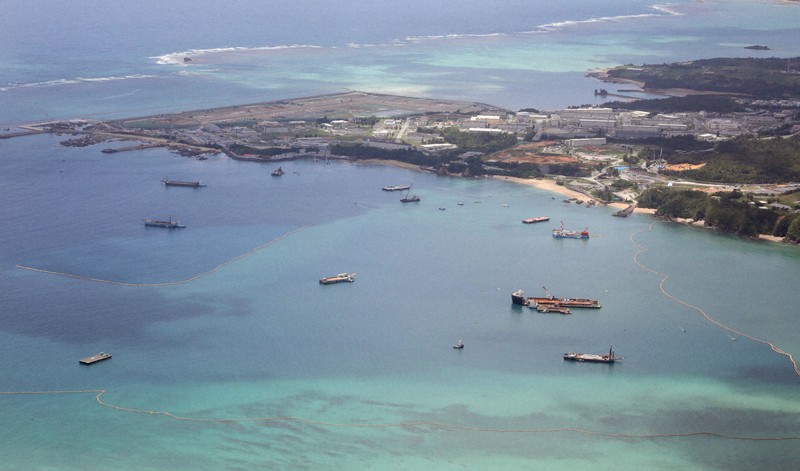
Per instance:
{"type": "Point", "coordinates": [625, 154]}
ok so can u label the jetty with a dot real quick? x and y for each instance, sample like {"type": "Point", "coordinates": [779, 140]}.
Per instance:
{"type": "Point", "coordinates": [623, 213]}
{"type": "Point", "coordinates": [129, 148]}
{"type": "Point", "coordinates": [94, 358]}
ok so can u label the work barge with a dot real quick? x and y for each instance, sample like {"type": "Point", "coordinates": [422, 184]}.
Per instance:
{"type": "Point", "coordinates": [94, 358]}
{"type": "Point", "coordinates": [340, 278]}
{"type": "Point", "coordinates": [550, 301]}
{"type": "Point", "coordinates": [591, 357]}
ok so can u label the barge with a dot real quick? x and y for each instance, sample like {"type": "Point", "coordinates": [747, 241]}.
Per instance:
{"type": "Point", "coordinates": [518, 297]}
{"type": "Point", "coordinates": [561, 233]}
{"type": "Point", "coordinates": [169, 224]}
{"type": "Point", "coordinates": [550, 308]}
{"type": "Point", "coordinates": [397, 188]}
{"type": "Point", "coordinates": [592, 358]}
{"type": "Point", "coordinates": [94, 358]}
{"type": "Point", "coordinates": [168, 182]}
{"type": "Point", "coordinates": [340, 278]}
{"type": "Point", "coordinates": [536, 219]}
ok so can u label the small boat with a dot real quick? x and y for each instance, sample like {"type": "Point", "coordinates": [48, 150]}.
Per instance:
{"type": "Point", "coordinates": [409, 198]}
{"type": "Point", "coordinates": [168, 182]}
{"type": "Point", "coordinates": [460, 204]}
{"type": "Point", "coordinates": [561, 233]}
{"type": "Point", "coordinates": [397, 188]}
{"type": "Point", "coordinates": [94, 358]}
{"type": "Point", "coordinates": [168, 224]}
{"type": "Point", "coordinates": [459, 345]}
{"type": "Point", "coordinates": [592, 358]}
{"type": "Point", "coordinates": [536, 219]}
{"type": "Point", "coordinates": [277, 172]}
{"type": "Point", "coordinates": [340, 278]}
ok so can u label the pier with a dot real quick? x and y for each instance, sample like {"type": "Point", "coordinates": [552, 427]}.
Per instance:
{"type": "Point", "coordinates": [29, 132]}
{"type": "Point", "coordinates": [129, 148]}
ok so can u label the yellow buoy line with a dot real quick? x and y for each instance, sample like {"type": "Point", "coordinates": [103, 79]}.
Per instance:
{"type": "Point", "coordinates": [417, 423]}
{"type": "Point", "coordinates": [168, 283]}
{"type": "Point", "coordinates": [704, 314]}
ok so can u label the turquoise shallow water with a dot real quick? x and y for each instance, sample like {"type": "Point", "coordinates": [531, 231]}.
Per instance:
{"type": "Point", "coordinates": [94, 60]}
{"type": "Point", "coordinates": [272, 369]}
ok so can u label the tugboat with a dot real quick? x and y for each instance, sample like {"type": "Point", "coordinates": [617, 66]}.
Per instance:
{"type": "Point", "coordinates": [592, 358]}
{"type": "Point", "coordinates": [409, 198]}
{"type": "Point", "coordinates": [169, 224]}
{"type": "Point", "coordinates": [560, 233]}
{"type": "Point", "coordinates": [277, 172]}
{"type": "Point", "coordinates": [459, 345]}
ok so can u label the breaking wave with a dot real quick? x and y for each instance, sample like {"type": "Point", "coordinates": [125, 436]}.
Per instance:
{"type": "Point", "coordinates": [179, 58]}
{"type": "Point", "coordinates": [660, 11]}
{"type": "Point", "coordinates": [73, 81]}
{"type": "Point", "coordinates": [186, 58]}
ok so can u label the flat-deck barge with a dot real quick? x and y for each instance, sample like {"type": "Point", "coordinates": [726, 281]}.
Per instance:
{"type": "Point", "coordinates": [340, 278]}
{"type": "Point", "coordinates": [168, 182]}
{"type": "Point", "coordinates": [397, 188]}
{"type": "Point", "coordinates": [535, 220]}
{"type": "Point", "coordinates": [94, 358]}
{"type": "Point", "coordinates": [592, 358]}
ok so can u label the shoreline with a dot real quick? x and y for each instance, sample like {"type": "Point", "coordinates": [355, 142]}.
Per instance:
{"type": "Point", "coordinates": [601, 74]}
{"type": "Point", "coordinates": [552, 186]}
{"type": "Point", "coordinates": [700, 224]}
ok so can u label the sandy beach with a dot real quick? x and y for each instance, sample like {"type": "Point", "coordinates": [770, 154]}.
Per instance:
{"type": "Point", "coordinates": [551, 185]}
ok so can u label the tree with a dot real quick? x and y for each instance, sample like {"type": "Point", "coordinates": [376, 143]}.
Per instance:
{"type": "Point", "coordinates": [793, 233]}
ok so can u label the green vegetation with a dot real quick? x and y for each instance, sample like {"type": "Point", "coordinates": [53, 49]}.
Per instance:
{"type": "Point", "coordinates": [726, 211]}
{"type": "Point", "coordinates": [744, 160]}
{"type": "Point", "coordinates": [522, 170]}
{"type": "Point", "coordinates": [479, 141]}
{"type": "Point", "coordinates": [358, 151]}
{"type": "Point", "coordinates": [694, 103]}
{"type": "Point", "coordinates": [240, 149]}
{"type": "Point", "coordinates": [568, 170]}
{"type": "Point", "coordinates": [759, 78]}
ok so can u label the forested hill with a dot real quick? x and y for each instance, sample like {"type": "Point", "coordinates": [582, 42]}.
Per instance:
{"type": "Point", "coordinates": [743, 161]}
{"type": "Point", "coordinates": [769, 78]}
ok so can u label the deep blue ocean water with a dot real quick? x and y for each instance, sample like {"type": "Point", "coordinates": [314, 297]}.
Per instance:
{"type": "Point", "coordinates": [363, 375]}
